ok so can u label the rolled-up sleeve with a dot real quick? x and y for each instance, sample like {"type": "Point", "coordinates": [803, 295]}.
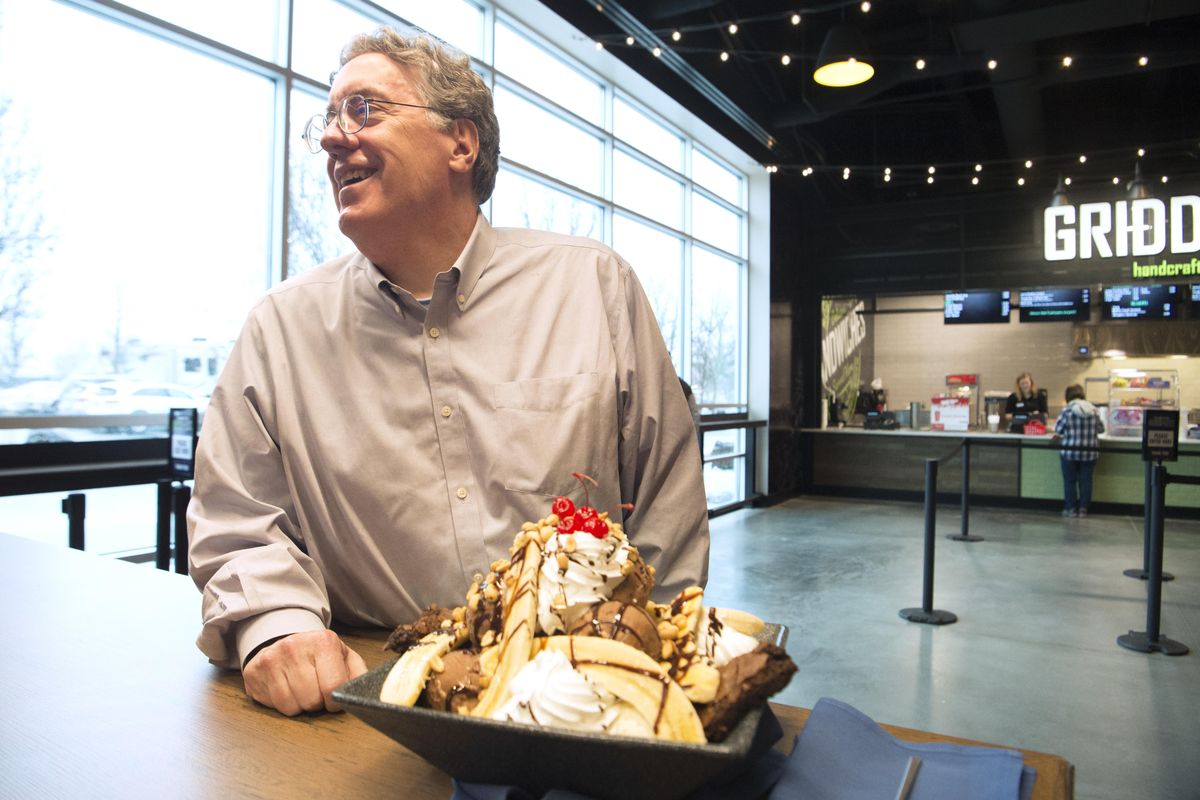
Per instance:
{"type": "Point", "coordinates": [246, 553]}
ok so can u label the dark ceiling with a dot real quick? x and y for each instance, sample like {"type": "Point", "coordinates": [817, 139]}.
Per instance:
{"type": "Point", "coordinates": [953, 114]}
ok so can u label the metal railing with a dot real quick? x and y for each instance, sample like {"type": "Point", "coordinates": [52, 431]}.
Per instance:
{"type": "Point", "coordinates": [74, 467]}
{"type": "Point", "coordinates": [750, 491]}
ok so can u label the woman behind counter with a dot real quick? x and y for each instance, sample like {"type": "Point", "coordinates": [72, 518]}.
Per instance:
{"type": "Point", "coordinates": [1025, 399]}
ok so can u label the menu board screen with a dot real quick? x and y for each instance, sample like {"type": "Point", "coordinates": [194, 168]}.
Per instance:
{"type": "Point", "coordinates": [1055, 305]}
{"type": "Point", "coordinates": [1195, 287]}
{"type": "Point", "coordinates": [1158, 301]}
{"type": "Point", "coordinates": [975, 307]}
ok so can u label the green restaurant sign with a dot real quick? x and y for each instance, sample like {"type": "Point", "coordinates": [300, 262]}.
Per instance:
{"type": "Point", "coordinates": [1160, 236]}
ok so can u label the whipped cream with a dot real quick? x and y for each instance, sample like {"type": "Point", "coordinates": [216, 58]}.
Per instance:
{"type": "Point", "coordinates": [548, 691]}
{"type": "Point", "coordinates": [593, 572]}
{"type": "Point", "coordinates": [717, 642]}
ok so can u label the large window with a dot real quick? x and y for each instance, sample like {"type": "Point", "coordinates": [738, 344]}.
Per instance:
{"type": "Point", "coordinates": [137, 206]}
{"type": "Point", "coordinates": [522, 202]}
{"type": "Point", "coordinates": [657, 258]}
{"type": "Point", "coordinates": [155, 185]}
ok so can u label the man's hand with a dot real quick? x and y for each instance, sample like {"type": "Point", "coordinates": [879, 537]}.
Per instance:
{"type": "Point", "coordinates": [299, 672]}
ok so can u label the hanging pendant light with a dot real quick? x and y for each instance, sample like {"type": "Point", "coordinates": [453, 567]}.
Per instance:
{"type": "Point", "coordinates": [843, 58]}
{"type": "Point", "coordinates": [1137, 189]}
{"type": "Point", "coordinates": [1059, 197]}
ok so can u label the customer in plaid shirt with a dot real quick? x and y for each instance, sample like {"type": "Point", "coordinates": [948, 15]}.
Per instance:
{"type": "Point", "coordinates": [1079, 425]}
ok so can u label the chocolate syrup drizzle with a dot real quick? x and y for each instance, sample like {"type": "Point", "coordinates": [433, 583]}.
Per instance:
{"type": "Point", "coordinates": [663, 679]}
{"type": "Point", "coordinates": [616, 625]}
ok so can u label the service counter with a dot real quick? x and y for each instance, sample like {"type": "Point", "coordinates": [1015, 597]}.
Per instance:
{"type": "Point", "coordinates": [1005, 468]}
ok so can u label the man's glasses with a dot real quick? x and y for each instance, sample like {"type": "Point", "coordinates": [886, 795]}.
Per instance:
{"type": "Point", "coordinates": [351, 117]}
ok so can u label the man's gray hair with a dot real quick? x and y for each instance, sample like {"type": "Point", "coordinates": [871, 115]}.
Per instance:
{"type": "Point", "coordinates": [449, 86]}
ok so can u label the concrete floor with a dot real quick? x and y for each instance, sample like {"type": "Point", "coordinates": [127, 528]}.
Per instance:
{"type": "Point", "coordinates": [1032, 661]}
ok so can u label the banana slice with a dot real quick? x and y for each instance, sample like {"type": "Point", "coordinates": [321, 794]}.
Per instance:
{"type": "Point", "coordinates": [740, 621]}
{"type": "Point", "coordinates": [700, 681]}
{"type": "Point", "coordinates": [520, 619]}
{"type": "Point", "coordinates": [407, 677]}
{"type": "Point", "coordinates": [637, 679]}
{"type": "Point", "coordinates": [687, 609]}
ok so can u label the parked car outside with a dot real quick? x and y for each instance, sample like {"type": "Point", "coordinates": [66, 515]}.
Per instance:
{"type": "Point", "coordinates": [30, 398]}
{"type": "Point", "coordinates": [126, 397]}
{"type": "Point", "coordinates": [123, 397]}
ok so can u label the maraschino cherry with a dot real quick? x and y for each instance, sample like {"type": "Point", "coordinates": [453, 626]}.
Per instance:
{"type": "Point", "coordinates": [584, 518]}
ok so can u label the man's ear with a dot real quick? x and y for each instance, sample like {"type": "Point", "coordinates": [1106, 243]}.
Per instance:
{"type": "Point", "coordinates": [466, 145]}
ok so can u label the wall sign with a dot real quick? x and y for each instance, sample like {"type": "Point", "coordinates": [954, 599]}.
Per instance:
{"type": "Point", "coordinates": [1157, 234]}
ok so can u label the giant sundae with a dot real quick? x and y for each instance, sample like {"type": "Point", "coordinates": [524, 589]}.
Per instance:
{"type": "Point", "coordinates": [564, 634]}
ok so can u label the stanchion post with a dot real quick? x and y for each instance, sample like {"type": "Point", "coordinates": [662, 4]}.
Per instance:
{"type": "Point", "coordinates": [75, 507]}
{"type": "Point", "coordinates": [181, 495]}
{"type": "Point", "coordinates": [964, 534]}
{"type": "Point", "coordinates": [926, 613]}
{"type": "Point", "coordinates": [1147, 525]}
{"type": "Point", "coordinates": [162, 544]}
{"type": "Point", "coordinates": [1152, 640]}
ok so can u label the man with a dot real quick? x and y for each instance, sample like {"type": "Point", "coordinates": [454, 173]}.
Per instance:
{"type": "Point", "coordinates": [387, 420]}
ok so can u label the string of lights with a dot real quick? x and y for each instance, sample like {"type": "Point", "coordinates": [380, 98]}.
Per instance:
{"type": "Point", "coordinates": [1115, 166]}
{"type": "Point", "coordinates": [918, 63]}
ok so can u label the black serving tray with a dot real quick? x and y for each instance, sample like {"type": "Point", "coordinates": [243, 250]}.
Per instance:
{"type": "Point", "coordinates": [540, 759]}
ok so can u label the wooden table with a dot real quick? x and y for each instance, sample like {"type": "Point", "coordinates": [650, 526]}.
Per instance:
{"type": "Point", "coordinates": [104, 694]}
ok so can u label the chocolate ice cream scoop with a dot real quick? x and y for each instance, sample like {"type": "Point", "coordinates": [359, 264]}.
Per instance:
{"type": "Point", "coordinates": [622, 622]}
{"type": "Point", "coordinates": [456, 687]}
{"type": "Point", "coordinates": [635, 589]}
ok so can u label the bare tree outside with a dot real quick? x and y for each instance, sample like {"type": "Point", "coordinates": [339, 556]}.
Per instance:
{"type": "Point", "coordinates": [714, 354]}
{"type": "Point", "coordinates": [116, 355]}
{"type": "Point", "coordinates": [310, 212]}
{"type": "Point", "coordinates": [23, 235]}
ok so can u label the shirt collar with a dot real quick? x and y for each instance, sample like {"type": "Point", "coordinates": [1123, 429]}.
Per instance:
{"type": "Point", "coordinates": [474, 259]}
{"type": "Point", "coordinates": [468, 267]}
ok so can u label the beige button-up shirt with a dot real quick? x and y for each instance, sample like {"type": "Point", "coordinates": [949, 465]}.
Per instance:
{"type": "Point", "coordinates": [364, 455]}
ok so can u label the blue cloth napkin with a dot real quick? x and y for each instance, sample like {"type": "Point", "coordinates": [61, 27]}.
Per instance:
{"type": "Point", "coordinates": [758, 775]}
{"type": "Point", "coordinates": [841, 754]}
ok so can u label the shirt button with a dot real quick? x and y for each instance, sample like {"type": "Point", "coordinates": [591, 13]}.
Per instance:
{"type": "Point", "coordinates": [434, 333]}
{"type": "Point", "coordinates": [446, 411]}
{"type": "Point", "coordinates": [462, 298]}
{"type": "Point", "coordinates": [462, 493]}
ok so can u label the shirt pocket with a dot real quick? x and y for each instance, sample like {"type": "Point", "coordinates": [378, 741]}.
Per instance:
{"type": "Point", "coordinates": [551, 428]}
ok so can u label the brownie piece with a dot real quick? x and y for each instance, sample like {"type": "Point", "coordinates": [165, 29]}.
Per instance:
{"type": "Point", "coordinates": [746, 682]}
{"type": "Point", "coordinates": [408, 634]}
